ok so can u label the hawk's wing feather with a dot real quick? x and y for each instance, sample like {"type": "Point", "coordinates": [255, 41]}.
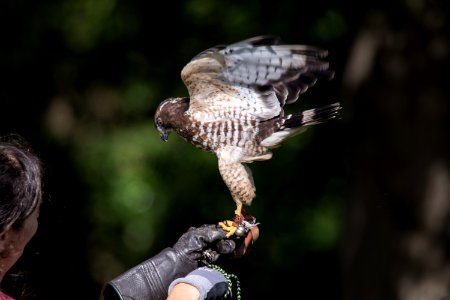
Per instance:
{"type": "Point", "coordinates": [257, 75]}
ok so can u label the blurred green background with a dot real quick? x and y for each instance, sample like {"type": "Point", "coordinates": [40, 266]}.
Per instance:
{"type": "Point", "coordinates": [353, 209]}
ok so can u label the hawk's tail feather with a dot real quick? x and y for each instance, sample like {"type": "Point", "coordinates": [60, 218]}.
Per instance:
{"type": "Point", "coordinates": [312, 116]}
{"type": "Point", "coordinates": [298, 122]}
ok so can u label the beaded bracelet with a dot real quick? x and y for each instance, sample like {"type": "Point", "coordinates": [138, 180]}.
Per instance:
{"type": "Point", "coordinates": [229, 278]}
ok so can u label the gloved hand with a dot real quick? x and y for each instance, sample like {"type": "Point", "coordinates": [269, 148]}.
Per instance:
{"type": "Point", "coordinates": [150, 279]}
{"type": "Point", "coordinates": [211, 283]}
{"type": "Point", "coordinates": [204, 243]}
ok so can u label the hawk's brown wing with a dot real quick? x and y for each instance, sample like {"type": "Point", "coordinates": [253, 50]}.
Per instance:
{"type": "Point", "coordinates": [257, 75]}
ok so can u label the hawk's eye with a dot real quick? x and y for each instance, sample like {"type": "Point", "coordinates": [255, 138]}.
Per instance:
{"type": "Point", "coordinates": [158, 122]}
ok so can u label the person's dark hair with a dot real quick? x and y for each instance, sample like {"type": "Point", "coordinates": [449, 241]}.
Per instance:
{"type": "Point", "coordinates": [20, 181]}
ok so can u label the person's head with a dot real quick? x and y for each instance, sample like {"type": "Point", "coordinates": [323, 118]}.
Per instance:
{"type": "Point", "coordinates": [20, 198]}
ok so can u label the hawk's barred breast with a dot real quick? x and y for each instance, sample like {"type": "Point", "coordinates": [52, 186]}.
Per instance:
{"type": "Point", "coordinates": [232, 129]}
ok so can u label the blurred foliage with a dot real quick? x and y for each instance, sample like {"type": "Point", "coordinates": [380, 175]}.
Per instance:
{"type": "Point", "coordinates": [83, 80]}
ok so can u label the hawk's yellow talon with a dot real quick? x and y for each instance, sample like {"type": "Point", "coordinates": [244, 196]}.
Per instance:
{"type": "Point", "coordinates": [228, 226]}
{"type": "Point", "coordinates": [232, 231]}
{"type": "Point", "coordinates": [231, 226]}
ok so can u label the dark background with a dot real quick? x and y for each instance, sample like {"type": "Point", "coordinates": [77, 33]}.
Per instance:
{"type": "Point", "coordinates": [353, 209]}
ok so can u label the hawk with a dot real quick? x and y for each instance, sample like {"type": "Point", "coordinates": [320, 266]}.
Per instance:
{"type": "Point", "coordinates": [235, 106]}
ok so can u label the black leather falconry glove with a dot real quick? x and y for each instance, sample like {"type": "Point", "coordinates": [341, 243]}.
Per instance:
{"type": "Point", "coordinates": [151, 279]}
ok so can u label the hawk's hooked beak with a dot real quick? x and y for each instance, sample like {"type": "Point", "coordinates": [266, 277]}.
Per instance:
{"type": "Point", "coordinates": [163, 134]}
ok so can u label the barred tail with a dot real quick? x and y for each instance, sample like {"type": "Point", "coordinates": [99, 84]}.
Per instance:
{"type": "Point", "coordinates": [298, 122]}
{"type": "Point", "coordinates": [312, 116]}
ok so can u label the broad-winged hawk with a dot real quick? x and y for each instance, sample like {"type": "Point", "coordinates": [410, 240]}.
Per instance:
{"type": "Point", "coordinates": [235, 105]}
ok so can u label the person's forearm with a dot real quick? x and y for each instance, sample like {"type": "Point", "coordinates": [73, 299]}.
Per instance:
{"type": "Point", "coordinates": [184, 291]}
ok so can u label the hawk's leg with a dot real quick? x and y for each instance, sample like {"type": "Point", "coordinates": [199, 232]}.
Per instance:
{"type": "Point", "coordinates": [239, 180]}
{"type": "Point", "coordinates": [238, 210]}
{"type": "Point", "coordinates": [232, 226]}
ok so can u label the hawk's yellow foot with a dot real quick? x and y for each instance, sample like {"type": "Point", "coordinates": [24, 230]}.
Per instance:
{"type": "Point", "coordinates": [241, 224]}
{"type": "Point", "coordinates": [232, 226]}
{"type": "Point", "coordinates": [227, 225]}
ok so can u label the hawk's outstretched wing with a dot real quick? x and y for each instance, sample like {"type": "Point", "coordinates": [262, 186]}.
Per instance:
{"type": "Point", "coordinates": [258, 75]}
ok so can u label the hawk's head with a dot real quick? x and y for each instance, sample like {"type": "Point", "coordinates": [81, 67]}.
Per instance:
{"type": "Point", "coordinates": [168, 114]}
